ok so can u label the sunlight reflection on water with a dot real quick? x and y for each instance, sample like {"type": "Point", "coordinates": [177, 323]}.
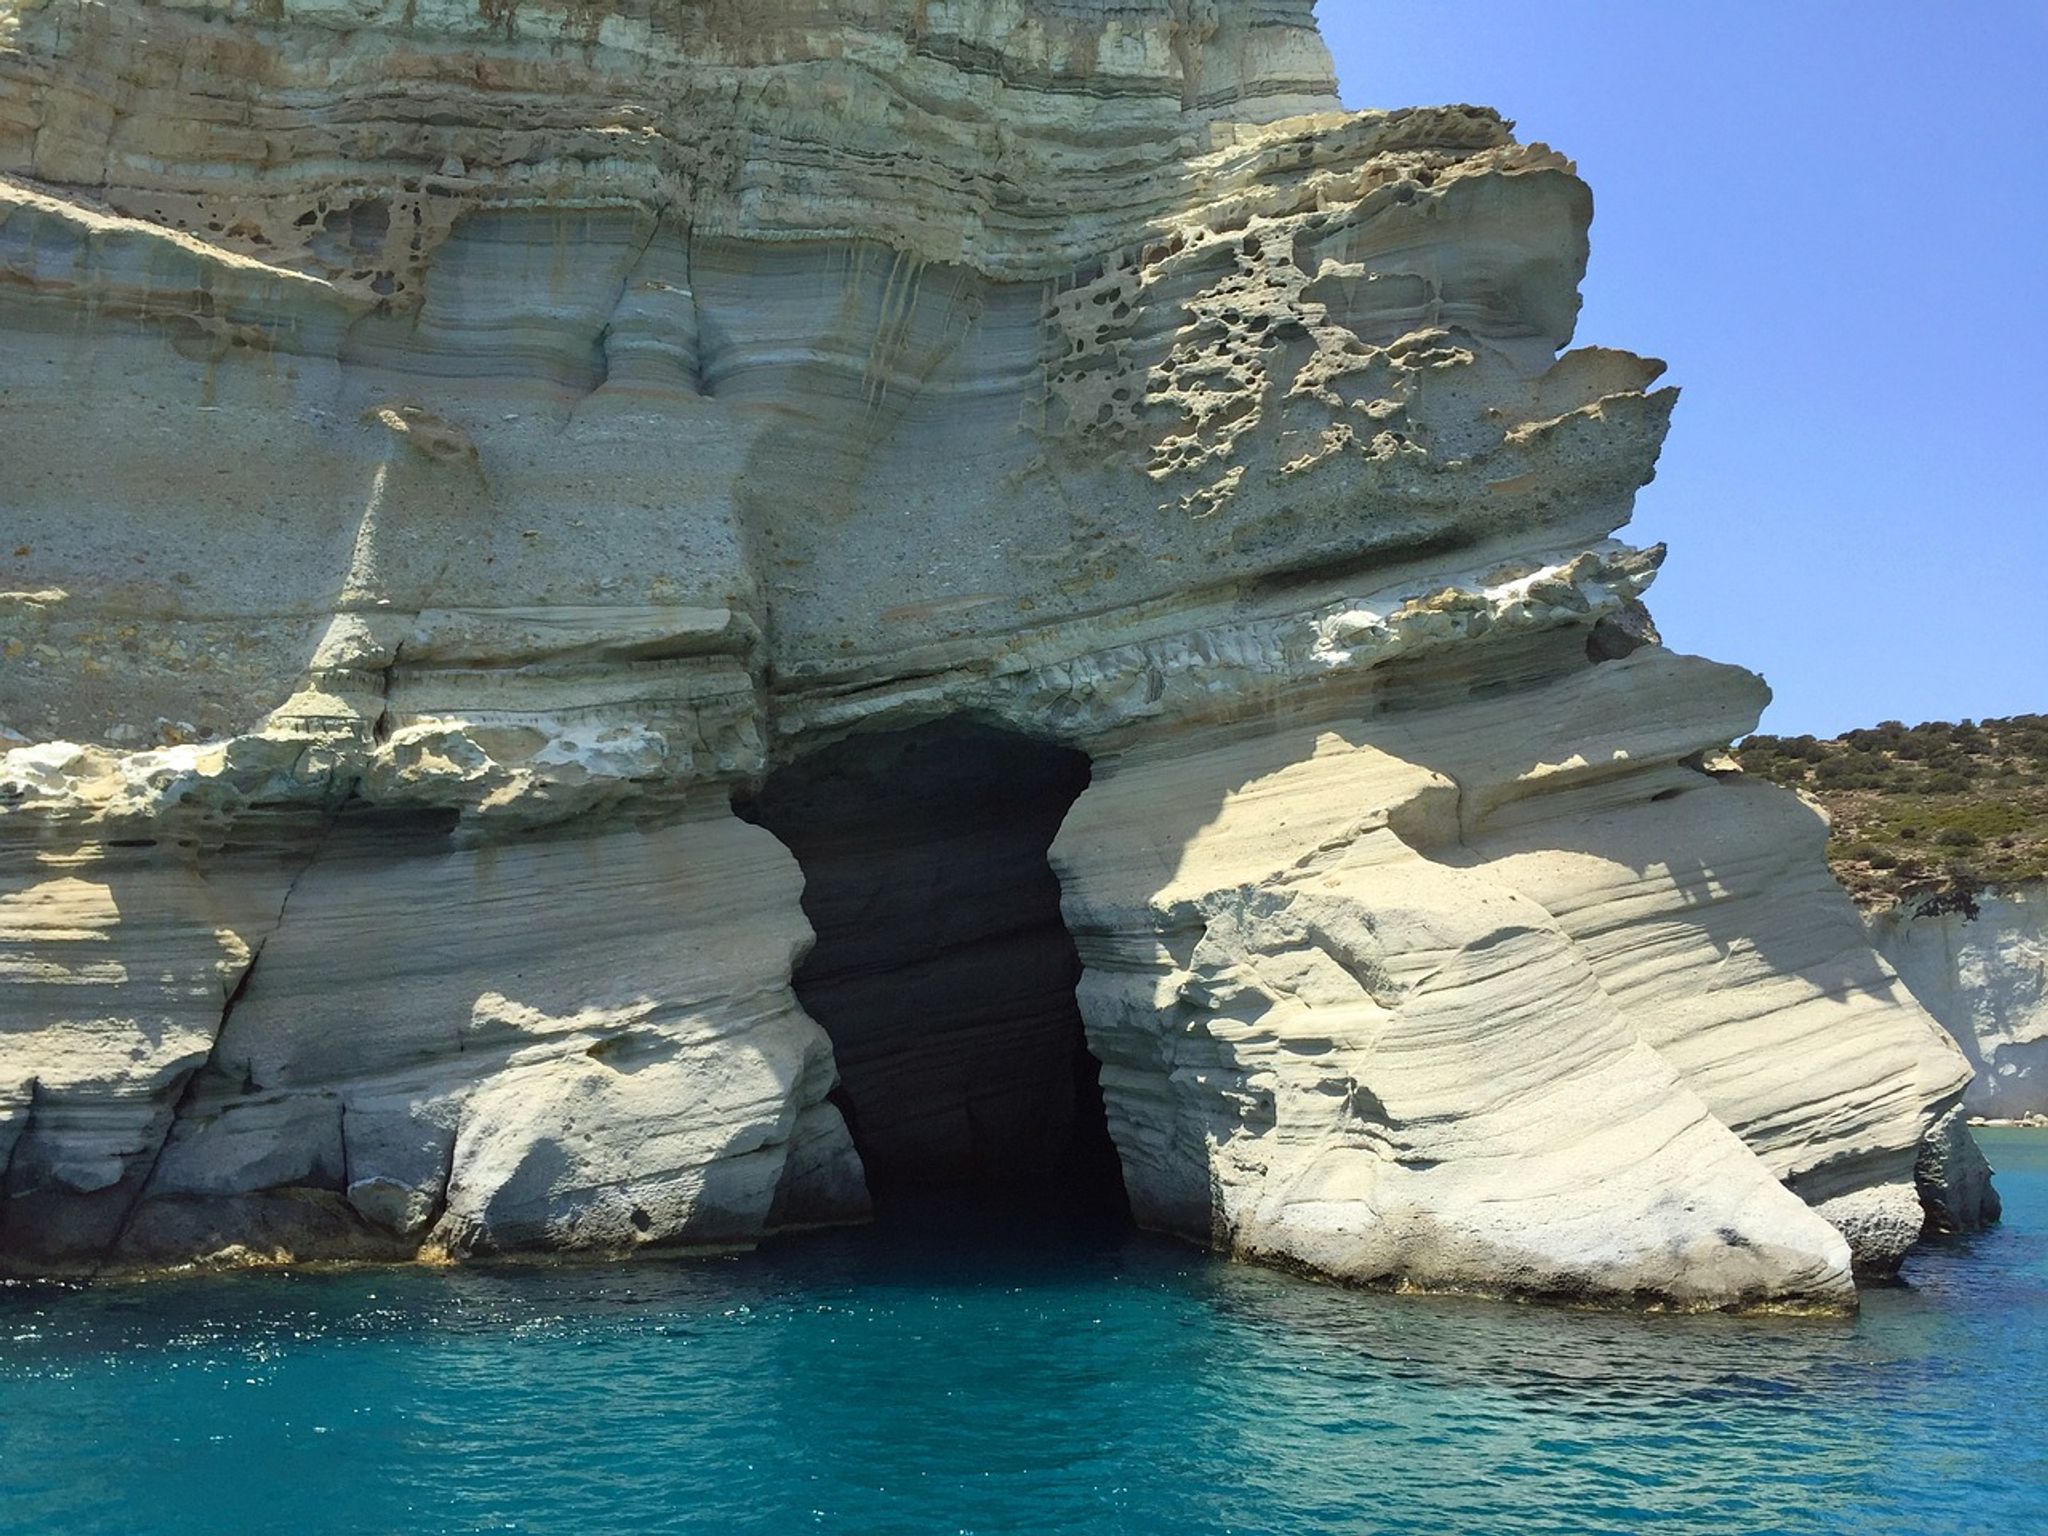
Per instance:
{"type": "Point", "coordinates": [1018, 1383]}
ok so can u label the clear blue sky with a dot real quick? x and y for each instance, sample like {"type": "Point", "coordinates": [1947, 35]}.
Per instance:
{"type": "Point", "coordinates": [1831, 219]}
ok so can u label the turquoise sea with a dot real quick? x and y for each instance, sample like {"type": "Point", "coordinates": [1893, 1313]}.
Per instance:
{"type": "Point", "coordinates": [1008, 1375]}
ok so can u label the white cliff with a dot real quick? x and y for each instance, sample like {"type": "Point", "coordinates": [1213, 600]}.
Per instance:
{"type": "Point", "coordinates": [457, 454]}
{"type": "Point", "coordinates": [1979, 963]}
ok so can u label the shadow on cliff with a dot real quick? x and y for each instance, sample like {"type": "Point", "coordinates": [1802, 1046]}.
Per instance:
{"type": "Point", "coordinates": [1634, 857]}
{"type": "Point", "coordinates": [943, 970]}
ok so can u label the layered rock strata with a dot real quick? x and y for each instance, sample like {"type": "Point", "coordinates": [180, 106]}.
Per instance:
{"type": "Point", "coordinates": [454, 452]}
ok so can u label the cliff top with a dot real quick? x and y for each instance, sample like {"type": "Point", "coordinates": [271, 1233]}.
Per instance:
{"type": "Point", "coordinates": [1920, 810]}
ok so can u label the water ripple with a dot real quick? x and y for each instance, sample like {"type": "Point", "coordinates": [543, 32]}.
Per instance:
{"type": "Point", "coordinates": [854, 1385]}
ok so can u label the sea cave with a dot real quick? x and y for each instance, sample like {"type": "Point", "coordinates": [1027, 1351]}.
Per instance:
{"type": "Point", "coordinates": [943, 971]}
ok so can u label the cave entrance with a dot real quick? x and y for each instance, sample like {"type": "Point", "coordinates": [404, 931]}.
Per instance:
{"type": "Point", "coordinates": [943, 970]}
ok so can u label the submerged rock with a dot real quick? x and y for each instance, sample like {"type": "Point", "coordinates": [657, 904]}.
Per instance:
{"type": "Point", "coordinates": [441, 484]}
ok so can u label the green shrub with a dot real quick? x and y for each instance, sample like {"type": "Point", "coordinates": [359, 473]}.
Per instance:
{"type": "Point", "coordinates": [1994, 818]}
{"type": "Point", "coordinates": [1970, 799]}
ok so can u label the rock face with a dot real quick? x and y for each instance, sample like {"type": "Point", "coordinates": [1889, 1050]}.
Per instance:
{"type": "Point", "coordinates": [1955, 1178]}
{"type": "Point", "coordinates": [455, 453]}
{"type": "Point", "coordinates": [1980, 965]}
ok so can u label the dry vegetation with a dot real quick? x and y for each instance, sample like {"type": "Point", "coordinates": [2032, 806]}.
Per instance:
{"type": "Point", "coordinates": [1925, 808]}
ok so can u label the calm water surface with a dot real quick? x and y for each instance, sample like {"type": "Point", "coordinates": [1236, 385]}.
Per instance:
{"type": "Point", "coordinates": [1003, 1381]}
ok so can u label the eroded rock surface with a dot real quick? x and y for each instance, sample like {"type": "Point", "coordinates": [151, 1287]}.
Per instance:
{"type": "Point", "coordinates": [454, 451]}
{"type": "Point", "coordinates": [1979, 962]}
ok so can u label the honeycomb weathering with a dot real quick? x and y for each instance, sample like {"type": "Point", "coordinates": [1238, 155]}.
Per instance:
{"type": "Point", "coordinates": [454, 451]}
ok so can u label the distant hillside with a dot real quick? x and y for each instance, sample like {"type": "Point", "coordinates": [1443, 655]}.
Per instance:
{"type": "Point", "coordinates": [1923, 808]}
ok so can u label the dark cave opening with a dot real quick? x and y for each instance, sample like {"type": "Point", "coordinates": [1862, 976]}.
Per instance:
{"type": "Point", "coordinates": [943, 970]}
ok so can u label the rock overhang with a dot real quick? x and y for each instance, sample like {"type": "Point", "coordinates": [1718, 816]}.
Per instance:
{"type": "Point", "coordinates": [556, 418]}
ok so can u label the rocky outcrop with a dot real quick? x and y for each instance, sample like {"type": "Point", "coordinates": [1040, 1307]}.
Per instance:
{"type": "Point", "coordinates": [1955, 1179]}
{"type": "Point", "coordinates": [1978, 961]}
{"type": "Point", "coordinates": [1461, 994]}
{"type": "Point", "coordinates": [210, 1040]}
{"type": "Point", "coordinates": [458, 453]}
